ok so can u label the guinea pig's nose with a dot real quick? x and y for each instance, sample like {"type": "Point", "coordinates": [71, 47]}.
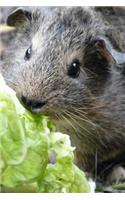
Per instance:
{"type": "Point", "coordinates": [31, 104]}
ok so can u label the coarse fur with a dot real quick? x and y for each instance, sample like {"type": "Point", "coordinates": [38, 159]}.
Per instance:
{"type": "Point", "coordinates": [91, 107]}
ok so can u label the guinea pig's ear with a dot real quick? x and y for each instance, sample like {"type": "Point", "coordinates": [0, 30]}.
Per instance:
{"type": "Point", "coordinates": [106, 50]}
{"type": "Point", "coordinates": [19, 17]}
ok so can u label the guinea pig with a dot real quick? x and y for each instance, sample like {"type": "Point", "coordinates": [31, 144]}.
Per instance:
{"type": "Point", "coordinates": [69, 63]}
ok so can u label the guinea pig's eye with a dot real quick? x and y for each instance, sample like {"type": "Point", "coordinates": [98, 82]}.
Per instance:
{"type": "Point", "coordinates": [74, 69]}
{"type": "Point", "coordinates": [28, 53]}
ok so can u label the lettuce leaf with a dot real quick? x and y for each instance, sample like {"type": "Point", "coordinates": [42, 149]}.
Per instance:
{"type": "Point", "coordinates": [33, 156]}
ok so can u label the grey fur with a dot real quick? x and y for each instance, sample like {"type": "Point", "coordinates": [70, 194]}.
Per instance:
{"type": "Point", "coordinates": [90, 108]}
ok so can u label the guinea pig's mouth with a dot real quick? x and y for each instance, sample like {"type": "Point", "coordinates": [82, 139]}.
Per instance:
{"type": "Point", "coordinates": [53, 115]}
{"type": "Point", "coordinates": [32, 105]}
{"type": "Point", "coordinates": [39, 107]}
{"type": "Point", "coordinates": [56, 111]}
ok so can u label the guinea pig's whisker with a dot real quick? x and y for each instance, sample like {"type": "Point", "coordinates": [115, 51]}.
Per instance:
{"type": "Point", "coordinates": [86, 119]}
{"type": "Point", "coordinates": [76, 119]}
{"type": "Point", "coordinates": [92, 107]}
{"type": "Point", "coordinates": [58, 116]}
{"type": "Point", "coordinates": [69, 122]}
{"type": "Point", "coordinates": [82, 128]}
{"type": "Point", "coordinates": [76, 122]}
{"type": "Point", "coordinates": [85, 69]}
{"type": "Point", "coordinates": [11, 82]}
{"type": "Point", "coordinates": [92, 124]}
{"type": "Point", "coordinates": [82, 117]}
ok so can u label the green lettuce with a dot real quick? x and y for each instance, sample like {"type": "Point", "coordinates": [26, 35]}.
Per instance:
{"type": "Point", "coordinates": [33, 156]}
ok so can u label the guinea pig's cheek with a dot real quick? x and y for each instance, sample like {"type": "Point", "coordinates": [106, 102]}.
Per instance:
{"type": "Point", "coordinates": [52, 106]}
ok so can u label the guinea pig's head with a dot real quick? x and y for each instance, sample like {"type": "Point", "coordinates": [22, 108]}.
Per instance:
{"type": "Point", "coordinates": [59, 62]}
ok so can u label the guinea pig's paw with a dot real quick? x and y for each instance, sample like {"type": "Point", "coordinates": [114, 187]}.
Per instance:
{"type": "Point", "coordinates": [117, 175]}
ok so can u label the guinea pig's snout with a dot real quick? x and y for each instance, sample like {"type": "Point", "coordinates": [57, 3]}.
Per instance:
{"type": "Point", "coordinates": [31, 104]}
